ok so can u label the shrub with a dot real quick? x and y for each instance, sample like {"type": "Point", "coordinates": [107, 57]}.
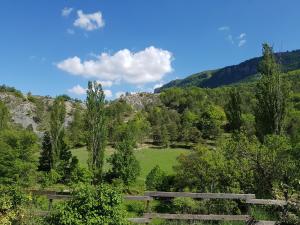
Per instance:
{"type": "Point", "coordinates": [90, 205]}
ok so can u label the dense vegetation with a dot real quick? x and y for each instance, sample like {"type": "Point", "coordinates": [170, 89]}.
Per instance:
{"type": "Point", "coordinates": [241, 139]}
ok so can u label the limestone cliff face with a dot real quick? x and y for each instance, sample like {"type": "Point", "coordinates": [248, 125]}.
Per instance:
{"type": "Point", "coordinates": [139, 100]}
{"type": "Point", "coordinates": [29, 114]}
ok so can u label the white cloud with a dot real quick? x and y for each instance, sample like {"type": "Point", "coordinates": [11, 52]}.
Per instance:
{"type": "Point", "coordinates": [66, 11]}
{"type": "Point", "coordinates": [241, 43]}
{"type": "Point", "coordinates": [242, 36]}
{"type": "Point", "coordinates": [224, 28]}
{"type": "Point", "coordinates": [108, 93]}
{"type": "Point", "coordinates": [89, 22]}
{"type": "Point", "coordinates": [148, 65]}
{"type": "Point", "coordinates": [105, 83]}
{"type": "Point", "coordinates": [77, 90]}
{"type": "Point", "coordinates": [119, 94]}
{"type": "Point", "coordinates": [158, 85]}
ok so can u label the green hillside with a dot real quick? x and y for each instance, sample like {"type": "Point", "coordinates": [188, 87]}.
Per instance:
{"type": "Point", "coordinates": [242, 72]}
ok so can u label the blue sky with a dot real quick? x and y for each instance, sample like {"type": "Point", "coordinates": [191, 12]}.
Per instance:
{"type": "Point", "coordinates": [52, 47]}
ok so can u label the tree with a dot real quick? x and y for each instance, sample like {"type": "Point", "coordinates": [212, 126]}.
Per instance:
{"type": "Point", "coordinates": [75, 130]}
{"type": "Point", "coordinates": [155, 179]}
{"type": "Point", "coordinates": [4, 116]}
{"type": "Point", "coordinates": [18, 149]}
{"type": "Point", "coordinates": [272, 93]}
{"type": "Point", "coordinates": [96, 128]}
{"type": "Point", "coordinates": [124, 164]}
{"type": "Point", "coordinates": [233, 110]}
{"type": "Point", "coordinates": [57, 118]}
{"type": "Point", "coordinates": [46, 154]}
{"type": "Point", "coordinates": [90, 205]}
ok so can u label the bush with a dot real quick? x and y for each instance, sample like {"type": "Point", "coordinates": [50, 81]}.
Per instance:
{"type": "Point", "coordinates": [90, 205]}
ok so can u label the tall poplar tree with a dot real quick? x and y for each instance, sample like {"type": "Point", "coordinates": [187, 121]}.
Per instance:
{"type": "Point", "coordinates": [233, 110]}
{"type": "Point", "coordinates": [95, 128]}
{"type": "Point", "coordinates": [272, 93]}
{"type": "Point", "coordinates": [57, 118]}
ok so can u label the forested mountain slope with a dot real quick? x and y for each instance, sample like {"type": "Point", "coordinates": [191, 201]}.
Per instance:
{"type": "Point", "coordinates": [244, 71]}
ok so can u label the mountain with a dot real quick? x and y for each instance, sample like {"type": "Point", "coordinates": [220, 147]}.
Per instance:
{"type": "Point", "coordinates": [243, 72]}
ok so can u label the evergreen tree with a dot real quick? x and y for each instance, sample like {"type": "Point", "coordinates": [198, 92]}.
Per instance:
{"type": "Point", "coordinates": [45, 157]}
{"type": "Point", "coordinates": [57, 118]}
{"type": "Point", "coordinates": [96, 128]}
{"type": "Point", "coordinates": [233, 110]}
{"type": "Point", "coordinates": [272, 93]}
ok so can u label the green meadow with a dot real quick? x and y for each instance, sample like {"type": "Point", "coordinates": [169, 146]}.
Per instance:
{"type": "Point", "coordinates": [148, 158]}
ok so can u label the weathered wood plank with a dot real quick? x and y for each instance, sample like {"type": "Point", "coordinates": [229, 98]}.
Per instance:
{"type": "Point", "coordinates": [138, 198]}
{"type": "Point", "coordinates": [139, 220]}
{"type": "Point", "coordinates": [196, 217]}
{"type": "Point", "coordinates": [262, 222]}
{"type": "Point", "coordinates": [266, 202]}
{"type": "Point", "coordinates": [199, 195]}
{"type": "Point", "coordinates": [41, 192]}
{"type": "Point", "coordinates": [66, 197]}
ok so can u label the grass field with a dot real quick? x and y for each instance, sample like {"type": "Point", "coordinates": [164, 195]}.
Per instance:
{"type": "Point", "coordinates": [148, 158]}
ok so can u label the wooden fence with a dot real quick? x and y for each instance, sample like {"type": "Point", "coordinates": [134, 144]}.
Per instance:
{"type": "Point", "coordinates": [151, 195]}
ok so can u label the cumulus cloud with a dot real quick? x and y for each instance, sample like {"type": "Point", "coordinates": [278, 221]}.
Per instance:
{"type": "Point", "coordinates": [105, 83]}
{"type": "Point", "coordinates": [158, 85]}
{"type": "Point", "coordinates": [242, 36]}
{"type": "Point", "coordinates": [148, 65]}
{"type": "Point", "coordinates": [242, 42]}
{"type": "Point", "coordinates": [77, 90]}
{"type": "Point", "coordinates": [89, 22]}
{"type": "Point", "coordinates": [224, 28]}
{"type": "Point", "coordinates": [66, 11]}
{"type": "Point", "coordinates": [108, 93]}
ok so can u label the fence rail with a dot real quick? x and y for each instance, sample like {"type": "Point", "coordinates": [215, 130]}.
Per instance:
{"type": "Point", "coordinates": [150, 195]}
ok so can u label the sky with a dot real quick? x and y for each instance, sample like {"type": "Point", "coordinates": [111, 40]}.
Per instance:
{"type": "Point", "coordinates": [53, 47]}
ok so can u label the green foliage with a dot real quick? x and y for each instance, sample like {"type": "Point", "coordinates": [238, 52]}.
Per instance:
{"type": "Point", "coordinates": [57, 118]}
{"type": "Point", "coordinates": [124, 164]}
{"type": "Point", "coordinates": [233, 110]}
{"type": "Point", "coordinates": [91, 205]}
{"type": "Point", "coordinates": [4, 116]}
{"type": "Point", "coordinates": [96, 128]}
{"type": "Point", "coordinates": [46, 154]}
{"type": "Point", "coordinates": [15, 92]}
{"type": "Point", "coordinates": [155, 179]}
{"type": "Point", "coordinates": [13, 205]}
{"type": "Point", "coordinates": [75, 130]}
{"type": "Point", "coordinates": [210, 121]}
{"type": "Point", "coordinates": [17, 156]}
{"type": "Point", "coordinates": [272, 92]}
{"type": "Point", "coordinates": [242, 73]}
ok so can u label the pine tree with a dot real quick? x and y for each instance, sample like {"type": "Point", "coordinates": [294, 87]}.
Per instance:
{"type": "Point", "coordinates": [272, 93]}
{"type": "Point", "coordinates": [96, 128]}
{"type": "Point", "coordinates": [233, 110]}
{"type": "Point", "coordinates": [45, 157]}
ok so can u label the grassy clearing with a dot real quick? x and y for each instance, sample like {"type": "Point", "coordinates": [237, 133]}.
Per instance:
{"type": "Point", "coordinates": [148, 158]}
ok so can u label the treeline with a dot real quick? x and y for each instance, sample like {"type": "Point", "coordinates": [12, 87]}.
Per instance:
{"type": "Point", "coordinates": [243, 139]}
